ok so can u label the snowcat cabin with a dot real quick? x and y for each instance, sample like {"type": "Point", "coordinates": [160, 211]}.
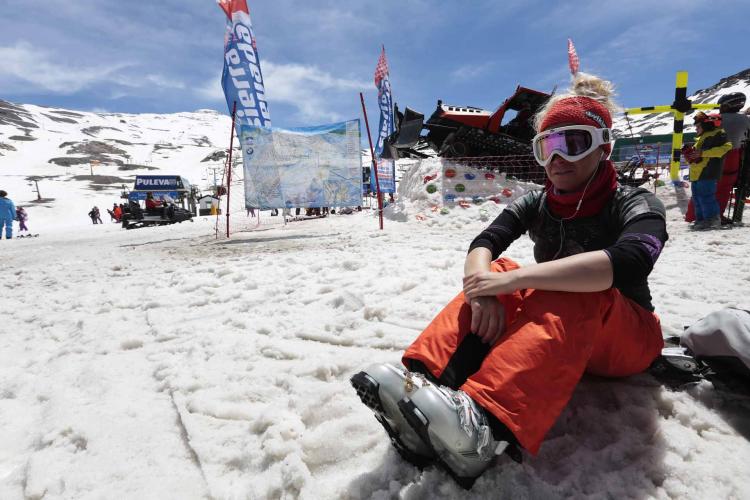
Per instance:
{"type": "Point", "coordinates": [447, 120]}
{"type": "Point", "coordinates": [525, 102]}
{"type": "Point", "coordinates": [174, 189]}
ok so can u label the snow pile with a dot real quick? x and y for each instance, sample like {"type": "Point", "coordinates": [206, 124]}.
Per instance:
{"type": "Point", "coordinates": [423, 188]}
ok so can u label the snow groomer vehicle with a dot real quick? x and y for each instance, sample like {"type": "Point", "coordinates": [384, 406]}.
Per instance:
{"type": "Point", "coordinates": [173, 194]}
{"type": "Point", "coordinates": [466, 131]}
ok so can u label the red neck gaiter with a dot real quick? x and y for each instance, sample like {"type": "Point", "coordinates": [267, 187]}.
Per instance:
{"type": "Point", "coordinates": [599, 192]}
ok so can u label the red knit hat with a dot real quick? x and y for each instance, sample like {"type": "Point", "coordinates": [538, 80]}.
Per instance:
{"type": "Point", "coordinates": [578, 110]}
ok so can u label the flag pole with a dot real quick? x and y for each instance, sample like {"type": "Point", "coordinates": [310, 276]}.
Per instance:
{"type": "Point", "coordinates": [374, 163]}
{"type": "Point", "coordinates": [229, 163]}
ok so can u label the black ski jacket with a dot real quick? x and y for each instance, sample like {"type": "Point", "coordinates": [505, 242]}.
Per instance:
{"type": "Point", "coordinates": [631, 229]}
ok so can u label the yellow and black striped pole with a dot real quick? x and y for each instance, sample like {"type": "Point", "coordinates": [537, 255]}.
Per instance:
{"type": "Point", "coordinates": [678, 108]}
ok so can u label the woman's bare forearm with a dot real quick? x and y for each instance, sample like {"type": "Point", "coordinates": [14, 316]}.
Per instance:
{"type": "Point", "coordinates": [585, 272]}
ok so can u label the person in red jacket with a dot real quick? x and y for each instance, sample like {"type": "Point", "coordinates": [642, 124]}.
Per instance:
{"type": "Point", "coordinates": [496, 367]}
{"type": "Point", "coordinates": [152, 204]}
{"type": "Point", "coordinates": [737, 127]}
{"type": "Point", "coordinates": [117, 212]}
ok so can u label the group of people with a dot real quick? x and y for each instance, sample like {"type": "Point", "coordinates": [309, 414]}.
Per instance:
{"type": "Point", "coordinates": [309, 211]}
{"type": "Point", "coordinates": [161, 207]}
{"type": "Point", "coordinates": [715, 161]}
{"type": "Point", "coordinates": [9, 213]}
{"type": "Point", "coordinates": [95, 215]}
{"type": "Point", "coordinates": [115, 213]}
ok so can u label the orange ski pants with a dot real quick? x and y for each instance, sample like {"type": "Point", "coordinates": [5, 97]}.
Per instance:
{"type": "Point", "coordinates": [550, 340]}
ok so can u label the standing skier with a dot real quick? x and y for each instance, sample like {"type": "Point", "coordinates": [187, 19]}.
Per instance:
{"type": "Point", "coordinates": [22, 216]}
{"type": "Point", "coordinates": [499, 363]}
{"type": "Point", "coordinates": [7, 215]}
{"type": "Point", "coordinates": [706, 160]}
{"type": "Point", "coordinates": [95, 216]}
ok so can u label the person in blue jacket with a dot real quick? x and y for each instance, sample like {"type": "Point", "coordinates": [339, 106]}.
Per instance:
{"type": "Point", "coordinates": [7, 215]}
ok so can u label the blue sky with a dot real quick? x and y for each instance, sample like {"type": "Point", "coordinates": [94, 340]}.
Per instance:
{"type": "Point", "coordinates": [165, 56]}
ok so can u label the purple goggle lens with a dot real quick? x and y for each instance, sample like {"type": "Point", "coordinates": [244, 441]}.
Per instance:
{"type": "Point", "coordinates": [569, 142]}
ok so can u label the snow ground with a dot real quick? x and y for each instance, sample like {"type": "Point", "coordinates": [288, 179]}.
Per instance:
{"type": "Point", "coordinates": [163, 363]}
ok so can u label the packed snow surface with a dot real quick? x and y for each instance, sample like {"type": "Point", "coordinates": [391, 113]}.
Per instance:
{"type": "Point", "coordinates": [165, 363]}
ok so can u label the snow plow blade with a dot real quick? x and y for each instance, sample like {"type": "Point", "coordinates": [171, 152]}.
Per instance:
{"type": "Point", "coordinates": [407, 135]}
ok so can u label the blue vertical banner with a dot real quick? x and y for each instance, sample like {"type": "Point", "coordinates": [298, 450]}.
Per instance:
{"type": "Point", "coordinates": [242, 79]}
{"type": "Point", "coordinates": [386, 167]}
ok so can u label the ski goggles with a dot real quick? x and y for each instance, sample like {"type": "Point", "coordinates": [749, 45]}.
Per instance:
{"type": "Point", "coordinates": [572, 142]}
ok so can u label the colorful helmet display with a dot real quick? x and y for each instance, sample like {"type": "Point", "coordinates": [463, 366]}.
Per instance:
{"type": "Point", "coordinates": [732, 102]}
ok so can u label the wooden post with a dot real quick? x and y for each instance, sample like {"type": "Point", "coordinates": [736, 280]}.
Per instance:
{"type": "Point", "coordinates": [229, 163]}
{"type": "Point", "coordinates": [374, 163]}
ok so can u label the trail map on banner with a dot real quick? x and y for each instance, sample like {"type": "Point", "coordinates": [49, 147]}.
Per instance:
{"type": "Point", "coordinates": [302, 167]}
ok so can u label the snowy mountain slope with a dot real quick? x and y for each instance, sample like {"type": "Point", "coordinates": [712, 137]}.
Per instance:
{"type": "Point", "coordinates": [57, 146]}
{"type": "Point", "coordinates": [662, 123]}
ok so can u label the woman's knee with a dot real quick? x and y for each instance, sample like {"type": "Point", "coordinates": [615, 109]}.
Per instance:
{"type": "Point", "coordinates": [556, 301]}
{"type": "Point", "coordinates": [503, 264]}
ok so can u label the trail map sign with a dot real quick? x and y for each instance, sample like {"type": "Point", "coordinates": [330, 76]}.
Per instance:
{"type": "Point", "coordinates": [303, 167]}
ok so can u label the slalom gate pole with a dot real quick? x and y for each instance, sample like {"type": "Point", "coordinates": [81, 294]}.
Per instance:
{"type": "Point", "coordinates": [657, 173]}
{"type": "Point", "coordinates": [229, 163]}
{"type": "Point", "coordinates": [374, 163]}
{"type": "Point", "coordinates": [678, 108]}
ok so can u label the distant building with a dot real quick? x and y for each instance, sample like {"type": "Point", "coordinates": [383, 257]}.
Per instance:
{"type": "Point", "coordinates": [652, 147]}
{"type": "Point", "coordinates": [206, 202]}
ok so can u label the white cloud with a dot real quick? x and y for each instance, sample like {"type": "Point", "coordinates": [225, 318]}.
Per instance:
{"type": "Point", "coordinates": [471, 71]}
{"type": "Point", "coordinates": [164, 82]}
{"type": "Point", "coordinates": [309, 89]}
{"type": "Point", "coordinates": [24, 67]}
{"type": "Point", "coordinates": [211, 90]}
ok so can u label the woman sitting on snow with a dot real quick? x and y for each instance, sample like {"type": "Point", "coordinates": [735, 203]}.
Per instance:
{"type": "Point", "coordinates": [497, 366]}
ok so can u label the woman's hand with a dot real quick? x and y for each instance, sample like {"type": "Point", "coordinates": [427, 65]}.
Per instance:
{"type": "Point", "coordinates": [488, 283]}
{"type": "Point", "coordinates": [487, 318]}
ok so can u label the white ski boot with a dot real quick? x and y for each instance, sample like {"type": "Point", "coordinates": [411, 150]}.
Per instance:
{"type": "Point", "coordinates": [456, 429]}
{"type": "Point", "coordinates": [381, 387]}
